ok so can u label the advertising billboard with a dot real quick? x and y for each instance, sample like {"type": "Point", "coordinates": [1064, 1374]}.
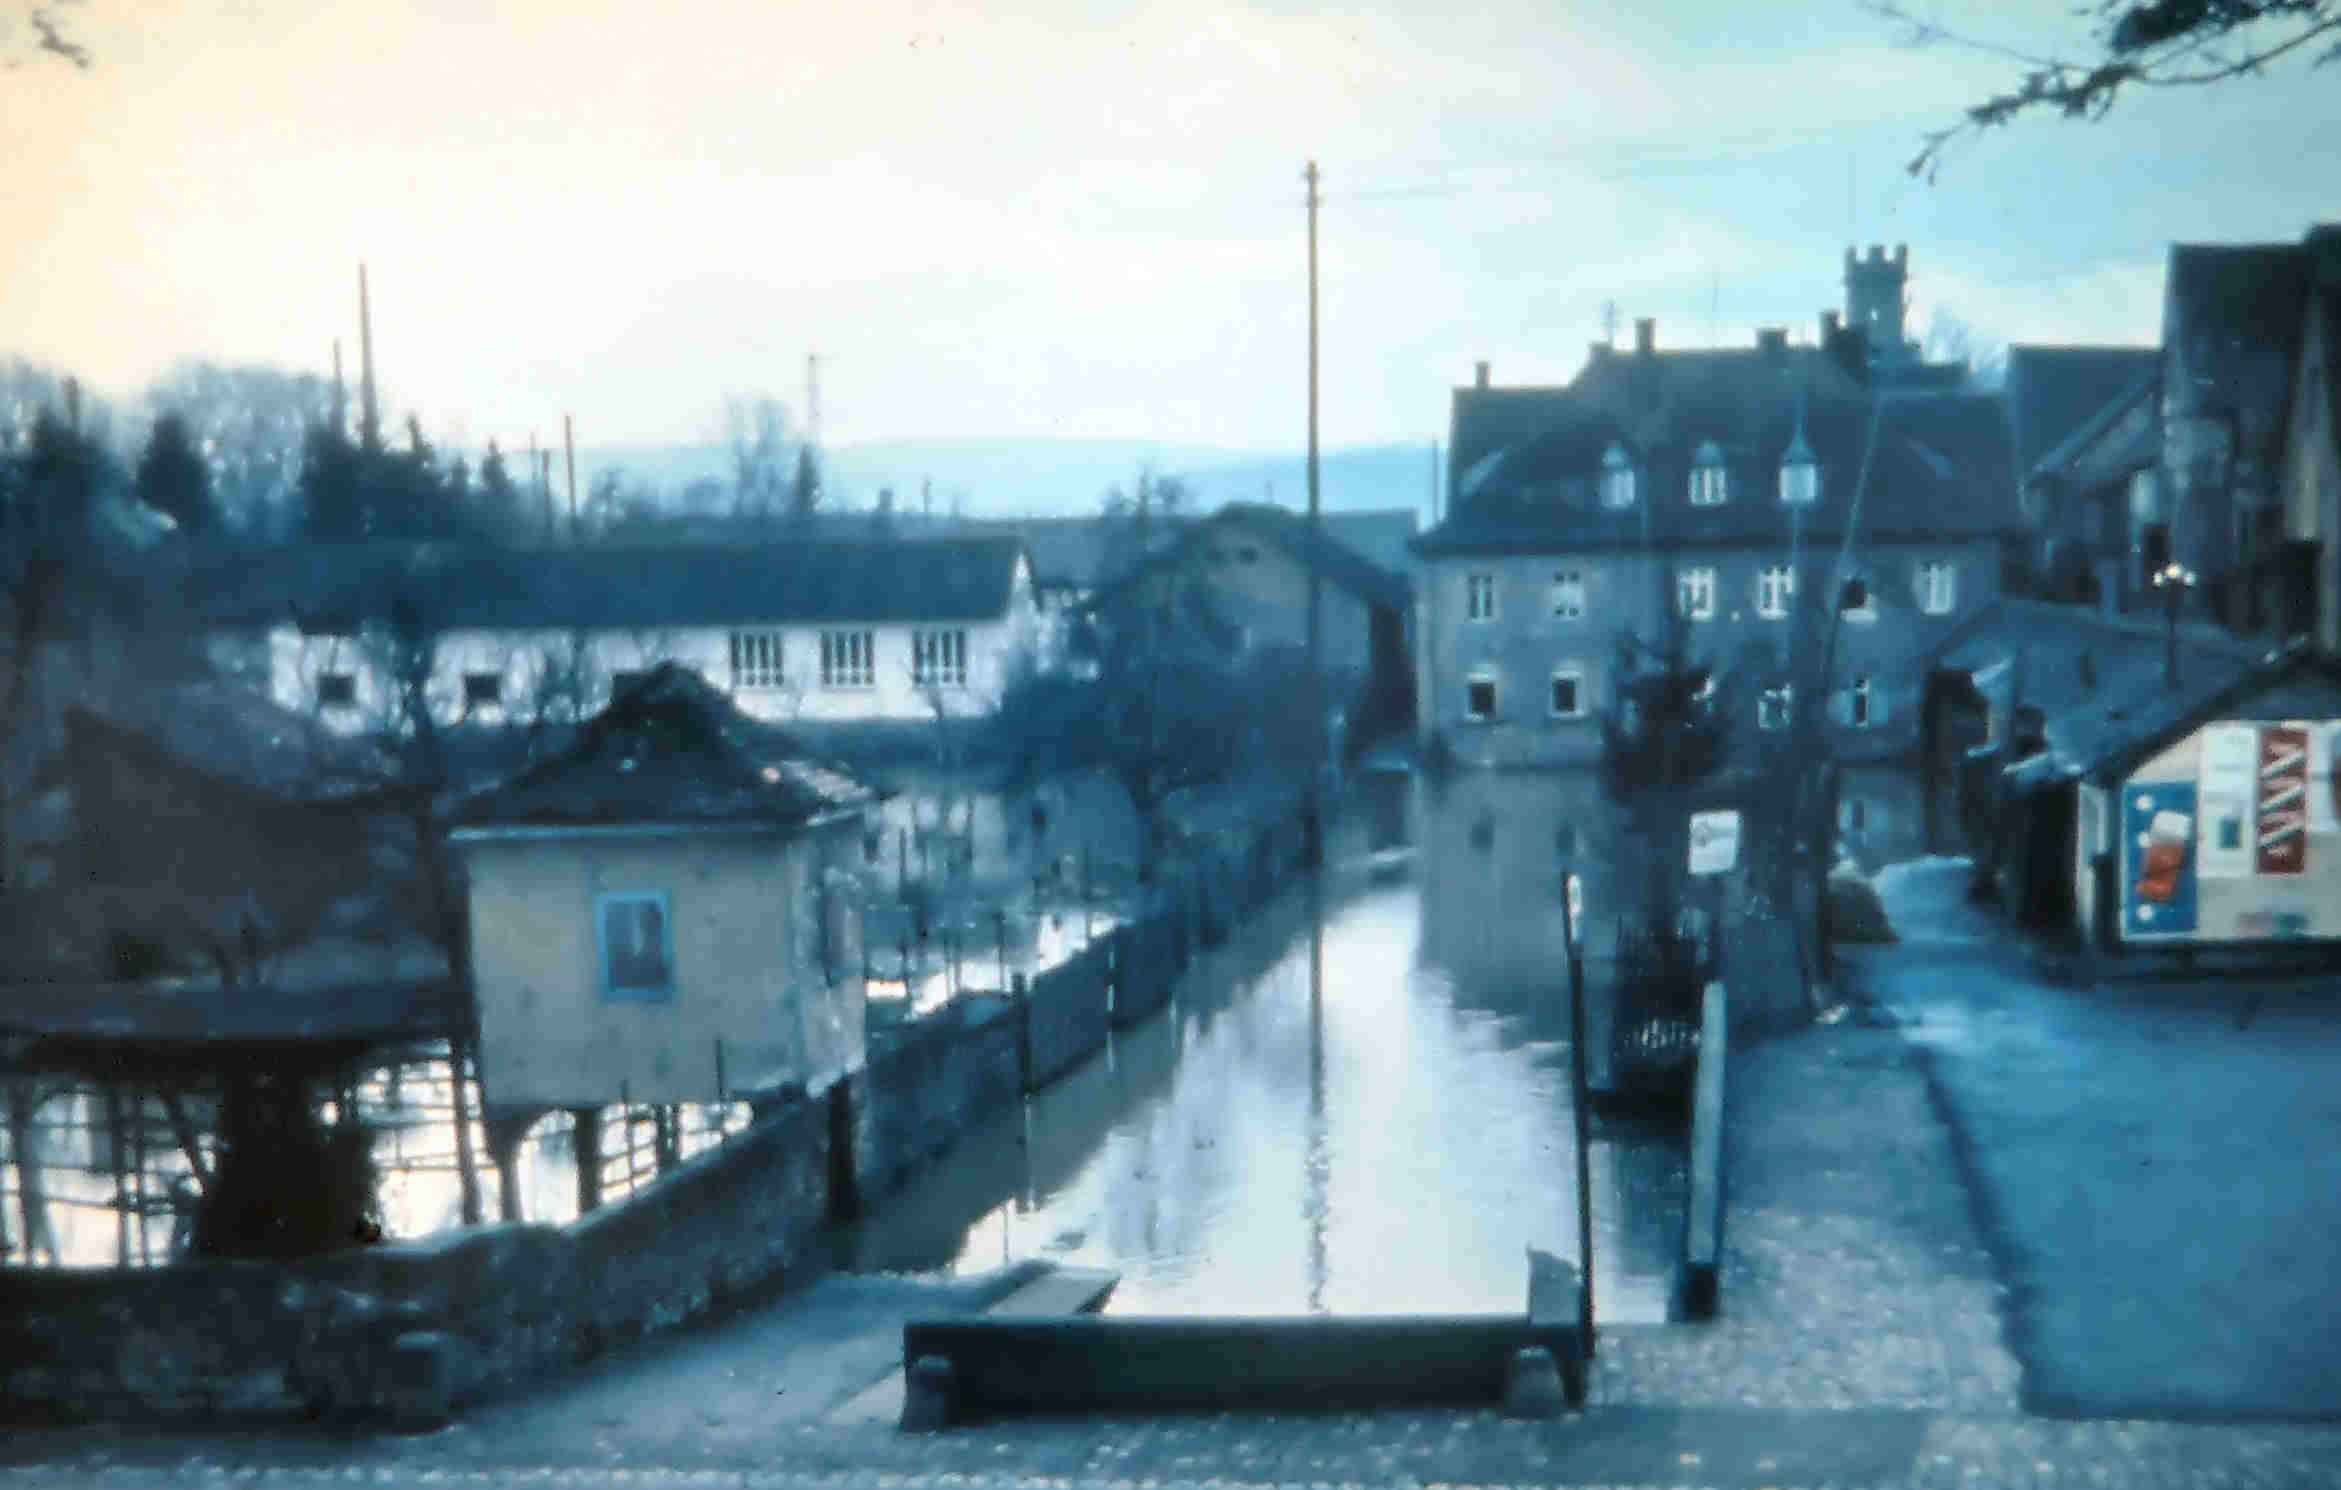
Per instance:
{"type": "Point", "coordinates": [2231, 834]}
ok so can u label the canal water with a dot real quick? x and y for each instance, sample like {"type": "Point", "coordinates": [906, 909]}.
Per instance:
{"type": "Point", "coordinates": [1359, 1105]}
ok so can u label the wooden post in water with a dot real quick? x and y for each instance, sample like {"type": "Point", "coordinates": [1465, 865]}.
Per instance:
{"type": "Point", "coordinates": [459, 1058]}
{"type": "Point", "coordinates": [1581, 1113]}
{"type": "Point", "coordinates": [588, 1147]}
{"type": "Point", "coordinates": [116, 1142]}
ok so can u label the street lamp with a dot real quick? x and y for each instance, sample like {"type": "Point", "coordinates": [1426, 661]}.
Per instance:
{"type": "Point", "coordinates": [2173, 580]}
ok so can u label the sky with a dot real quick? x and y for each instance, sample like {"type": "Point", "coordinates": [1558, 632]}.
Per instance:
{"type": "Point", "coordinates": [1066, 221]}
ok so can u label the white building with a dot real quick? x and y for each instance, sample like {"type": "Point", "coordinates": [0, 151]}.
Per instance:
{"type": "Point", "coordinates": [824, 630]}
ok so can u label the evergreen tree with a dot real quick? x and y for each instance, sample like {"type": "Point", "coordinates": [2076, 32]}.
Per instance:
{"type": "Point", "coordinates": [332, 497]}
{"type": "Point", "coordinates": [804, 493]}
{"type": "Point", "coordinates": [498, 501]}
{"type": "Point", "coordinates": [175, 480]}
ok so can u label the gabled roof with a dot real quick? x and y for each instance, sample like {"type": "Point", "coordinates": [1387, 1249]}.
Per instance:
{"type": "Point", "coordinates": [879, 581]}
{"type": "Point", "coordinates": [2100, 681]}
{"type": "Point", "coordinates": [2298, 661]}
{"type": "Point", "coordinates": [2053, 391]}
{"type": "Point", "coordinates": [1528, 460]}
{"type": "Point", "coordinates": [1333, 560]}
{"type": "Point", "coordinates": [2232, 319]}
{"type": "Point", "coordinates": [2112, 443]}
{"type": "Point", "coordinates": [670, 750]}
{"type": "Point", "coordinates": [236, 739]}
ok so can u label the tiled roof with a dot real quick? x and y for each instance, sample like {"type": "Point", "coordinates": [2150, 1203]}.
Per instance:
{"type": "Point", "coordinates": [1334, 560]}
{"type": "Point", "coordinates": [2233, 314]}
{"type": "Point", "coordinates": [878, 581]}
{"type": "Point", "coordinates": [670, 749]}
{"type": "Point", "coordinates": [238, 738]}
{"type": "Point", "coordinates": [2101, 682]}
{"type": "Point", "coordinates": [2053, 391]}
{"type": "Point", "coordinates": [117, 1014]}
{"type": "Point", "coordinates": [1528, 460]}
{"type": "Point", "coordinates": [2102, 449]}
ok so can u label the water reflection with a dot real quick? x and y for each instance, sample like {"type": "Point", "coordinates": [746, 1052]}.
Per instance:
{"type": "Point", "coordinates": [1359, 1106]}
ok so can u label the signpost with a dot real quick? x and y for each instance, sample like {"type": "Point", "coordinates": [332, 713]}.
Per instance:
{"type": "Point", "coordinates": [1583, 1115]}
{"type": "Point", "coordinates": [1714, 841]}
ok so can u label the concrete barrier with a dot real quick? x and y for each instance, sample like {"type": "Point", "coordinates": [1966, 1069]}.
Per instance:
{"type": "Point", "coordinates": [1703, 1216]}
{"type": "Point", "coordinates": [1065, 1015]}
{"type": "Point", "coordinates": [1145, 967]}
{"type": "Point", "coordinates": [990, 1364]}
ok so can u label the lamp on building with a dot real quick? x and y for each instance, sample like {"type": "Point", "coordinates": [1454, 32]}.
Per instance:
{"type": "Point", "coordinates": [2173, 579]}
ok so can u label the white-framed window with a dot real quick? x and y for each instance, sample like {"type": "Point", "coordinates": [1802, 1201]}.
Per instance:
{"type": "Point", "coordinates": [1568, 692]}
{"type": "Point", "coordinates": [337, 690]}
{"type": "Point", "coordinates": [846, 659]}
{"type": "Point", "coordinates": [1861, 704]}
{"type": "Point", "coordinates": [1710, 484]}
{"type": "Point", "coordinates": [1694, 593]}
{"type": "Point", "coordinates": [634, 933]}
{"type": "Point", "coordinates": [939, 658]}
{"type": "Point", "coordinates": [1938, 586]}
{"type": "Point", "coordinates": [756, 659]}
{"type": "Point", "coordinates": [1479, 597]}
{"type": "Point", "coordinates": [1775, 587]}
{"type": "Point", "coordinates": [1617, 477]}
{"type": "Point", "coordinates": [482, 690]}
{"type": "Point", "coordinates": [1773, 706]}
{"type": "Point", "coordinates": [1568, 594]}
{"type": "Point", "coordinates": [1479, 696]}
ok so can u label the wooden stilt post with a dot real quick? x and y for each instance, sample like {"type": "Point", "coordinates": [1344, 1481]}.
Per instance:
{"type": "Point", "coordinates": [588, 1147]}
{"type": "Point", "coordinates": [138, 1171]}
{"type": "Point", "coordinates": [633, 1167]}
{"type": "Point", "coordinates": [459, 1060]}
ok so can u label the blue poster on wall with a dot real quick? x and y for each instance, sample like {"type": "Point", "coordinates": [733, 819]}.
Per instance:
{"type": "Point", "coordinates": [2158, 858]}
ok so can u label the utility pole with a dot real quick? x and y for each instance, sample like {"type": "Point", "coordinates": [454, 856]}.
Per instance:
{"type": "Point", "coordinates": [1434, 483]}
{"type": "Point", "coordinates": [813, 399]}
{"type": "Point", "coordinates": [369, 421]}
{"type": "Point", "coordinates": [569, 443]}
{"type": "Point", "coordinates": [1314, 849]}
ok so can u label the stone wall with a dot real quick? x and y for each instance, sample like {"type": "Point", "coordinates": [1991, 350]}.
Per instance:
{"type": "Point", "coordinates": [513, 1302]}
{"type": "Point", "coordinates": [928, 1080]}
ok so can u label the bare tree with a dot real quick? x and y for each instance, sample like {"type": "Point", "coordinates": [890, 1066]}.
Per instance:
{"type": "Point", "coordinates": [757, 430]}
{"type": "Point", "coordinates": [2138, 43]}
{"type": "Point", "coordinates": [50, 36]}
{"type": "Point", "coordinates": [1950, 339]}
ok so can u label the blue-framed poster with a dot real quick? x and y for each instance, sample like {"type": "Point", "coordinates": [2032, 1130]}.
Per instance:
{"type": "Point", "coordinates": [635, 936]}
{"type": "Point", "coordinates": [2159, 858]}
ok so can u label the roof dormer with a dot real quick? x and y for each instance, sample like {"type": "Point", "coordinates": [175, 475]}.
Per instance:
{"type": "Point", "coordinates": [1617, 477]}
{"type": "Point", "coordinates": [1710, 482]}
{"type": "Point", "coordinates": [1800, 474]}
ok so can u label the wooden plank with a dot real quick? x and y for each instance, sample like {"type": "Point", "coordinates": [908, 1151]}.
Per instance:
{"type": "Point", "coordinates": [1703, 1223]}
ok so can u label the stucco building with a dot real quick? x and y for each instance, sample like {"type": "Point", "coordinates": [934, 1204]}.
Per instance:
{"type": "Point", "coordinates": [665, 911]}
{"type": "Point", "coordinates": [1731, 491]}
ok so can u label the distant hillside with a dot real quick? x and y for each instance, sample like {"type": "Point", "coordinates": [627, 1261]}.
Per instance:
{"type": "Point", "coordinates": [1048, 478]}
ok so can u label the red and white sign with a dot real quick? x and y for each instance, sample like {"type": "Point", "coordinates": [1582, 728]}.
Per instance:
{"type": "Point", "coordinates": [2283, 800]}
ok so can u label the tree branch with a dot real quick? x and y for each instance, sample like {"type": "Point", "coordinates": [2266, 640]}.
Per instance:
{"type": "Point", "coordinates": [2154, 44]}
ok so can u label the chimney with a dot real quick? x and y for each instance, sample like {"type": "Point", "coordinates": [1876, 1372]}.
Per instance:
{"type": "Point", "coordinates": [1645, 335]}
{"type": "Point", "coordinates": [1831, 322]}
{"type": "Point", "coordinates": [369, 421]}
{"type": "Point", "coordinates": [1772, 341]}
{"type": "Point", "coordinates": [1596, 351]}
{"type": "Point", "coordinates": [1479, 375]}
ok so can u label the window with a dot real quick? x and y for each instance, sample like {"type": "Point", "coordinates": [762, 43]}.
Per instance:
{"type": "Point", "coordinates": [1617, 477]}
{"type": "Point", "coordinates": [1568, 693]}
{"type": "Point", "coordinates": [337, 690]}
{"type": "Point", "coordinates": [1938, 586]}
{"type": "Point", "coordinates": [1708, 479]}
{"type": "Point", "coordinates": [637, 947]}
{"type": "Point", "coordinates": [756, 659]}
{"type": "Point", "coordinates": [1775, 587]}
{"type": "Point", "coordinates": [1694, 593]}
{"type": "Point", "coordinates": [483, 690]}
{"type": "Point", "coordinates": [1773, 706]}
{"type": "Point", "coordinates": [846, 660]}
{"type": "Point", "coordinates": [1859, 704]}
{"type": "Point", "coordinates": [1800, 474]}
{"type": "Point", "coordinates": [1864, 598]}
{"type": "Point", "coordinates": [1479, 698]}
{"type": "Point", "coordinates": [939, 658]}
{"type": "Point", "coordinates": [1568, 594]}
{"type": "Point", "coordinates": [1479, 597]}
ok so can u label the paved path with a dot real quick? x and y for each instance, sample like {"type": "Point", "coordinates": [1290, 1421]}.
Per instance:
{"type": "Point", "coordinates": [2164, 1186]}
